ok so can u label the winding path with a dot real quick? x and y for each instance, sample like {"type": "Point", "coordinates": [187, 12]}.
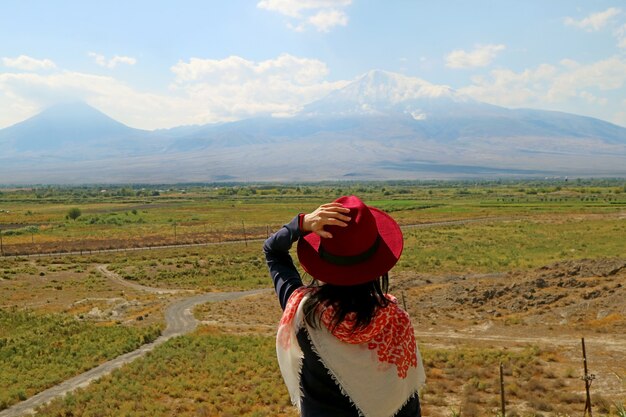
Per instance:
{"type": "Point", "coordinates": [179, 318]}
{"type": "Point", "coordinates": [116, 278]}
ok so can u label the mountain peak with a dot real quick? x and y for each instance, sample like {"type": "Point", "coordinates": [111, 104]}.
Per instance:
{"type": "Point", "coordinates": [72, 111]}
{"type": "Point", "coordinates": [384, 92]}
{"type": "Point", "coordinates": [395, 88]}
{"type": "Point", "coordinates": [380, 76]}
{"type": "Point", "coordinates": [68, 124]}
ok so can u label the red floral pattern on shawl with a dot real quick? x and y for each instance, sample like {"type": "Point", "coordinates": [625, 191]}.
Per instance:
{"type": "Point", "coordinates": [389, 334]}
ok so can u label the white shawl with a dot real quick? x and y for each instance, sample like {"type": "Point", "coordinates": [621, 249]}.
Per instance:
{"type": "Point", "coordinates": [379, 367]}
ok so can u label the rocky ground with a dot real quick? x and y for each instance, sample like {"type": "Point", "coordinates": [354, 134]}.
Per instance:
{"type": "Point", "coordinates": [583, 295]}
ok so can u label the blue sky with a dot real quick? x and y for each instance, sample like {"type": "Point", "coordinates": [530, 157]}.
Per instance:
{"type": "Point", "coordinates": [158, 64]}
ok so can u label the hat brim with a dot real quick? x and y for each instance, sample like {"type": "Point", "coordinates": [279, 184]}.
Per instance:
{"type": "Point", "coordinates": [385, 257]}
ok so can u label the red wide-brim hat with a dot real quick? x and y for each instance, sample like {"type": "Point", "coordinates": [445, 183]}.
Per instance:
{"type": "Point", "coordinates": [361, 252]}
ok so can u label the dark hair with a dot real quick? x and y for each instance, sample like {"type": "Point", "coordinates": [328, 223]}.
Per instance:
{"type": "Point", "coordinates": [362, 299]}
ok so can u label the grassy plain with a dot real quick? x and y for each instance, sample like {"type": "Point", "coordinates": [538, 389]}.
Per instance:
{"type": "Point", "coordinates": [35, 219]}
{"type": "Point", "coordinates": [212, 374]}
{"type": "Point", "coordinates": [205, 374]}
{"type": "Point", "coordinates": [461, 239]}
{"type": "Point", "coordinates": [39, 351]}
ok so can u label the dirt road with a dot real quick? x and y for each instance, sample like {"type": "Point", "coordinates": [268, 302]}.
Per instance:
{"type": "Point", "coordinates": [116, 278]}
{"type": "Point", "coordinates": [179, 319]}
{"type": "Point", "coordinates": [607, 342]}
{"type": "Point", "coordinates": [425, 225]}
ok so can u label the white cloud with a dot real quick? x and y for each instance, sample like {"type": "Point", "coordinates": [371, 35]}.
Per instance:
{"type": "Point", "coordinates": [294, 8]}
{"type": "Point", "coordinates": [235, 87]}
{"type": "Point", "coordinates": [571, 86]}
{"type": "Point", "coordinates": [593, 99]}
{"type": "Point", "coordinates": [202, 91]}
{"type": "Point", "coordinates": [235, 69]}
{"type": "Point", "coordinates": [301, 27]}
{"type": "Point", "coordinates": [99, 59]}
{"type": "Point", "coordinates": [34, 92]}
{"type": "Point", "coordinates": [601, 20]}
{"type": "Point", "coordinates": [324, 20]}
{"type": "Point", "coordinates": [605, 75]}
{"type": "Point", "coordinates": [27, 63]}
{"type": "Point", "coordinates": [569, 63]}
{"type": "Point", "coordinates": [112, 63]}
{"type": "Point", "coordinates": [121, 60]}
{"type": "Point", "coordinates": [547, 83]}
{"type": "Point", "coordinates": [594, 21]}
{"type": "Point", "coordinates": [481, 56]}
{"type": "Point", "coordinates": [320, 14]}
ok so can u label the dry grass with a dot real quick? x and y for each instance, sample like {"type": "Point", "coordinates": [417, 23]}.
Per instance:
{"type": "Point", "coordinates": [478, 293]}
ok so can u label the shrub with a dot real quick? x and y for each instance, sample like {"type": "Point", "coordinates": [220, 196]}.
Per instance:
{"type": "Point", "coordinates": [74, 213]}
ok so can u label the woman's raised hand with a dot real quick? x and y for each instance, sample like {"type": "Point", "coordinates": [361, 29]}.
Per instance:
{"type": "Point", "coordinates": [331, 214]}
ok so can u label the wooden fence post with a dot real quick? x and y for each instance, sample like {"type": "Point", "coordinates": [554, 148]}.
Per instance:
{"type": "Point", "coordinates": [587, 378]}
{"type": "Point", "coordinates": [502, 402]}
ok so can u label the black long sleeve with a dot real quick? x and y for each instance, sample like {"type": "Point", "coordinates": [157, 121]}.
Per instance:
{"type": "Point", "coordinates": [282, 269]}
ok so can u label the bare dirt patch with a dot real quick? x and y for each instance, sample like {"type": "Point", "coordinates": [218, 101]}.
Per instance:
{"type": "Point", "coordinates": [81, 290]}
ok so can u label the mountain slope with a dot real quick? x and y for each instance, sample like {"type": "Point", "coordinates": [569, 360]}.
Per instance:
{"type": "Point", "coordinates": [381, 126]}
{"type": "Point", "coordinates": [391, 106]}
{"type": "Point", "coordinates": [75, 130]}
{"type": "Point", "coordinates": [447, 114]}
{"type": "Point", "coordinates": [74, 123]}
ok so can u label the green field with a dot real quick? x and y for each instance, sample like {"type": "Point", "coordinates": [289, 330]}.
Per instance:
{"type": "Point", "coordinates": [36, 219]}
{"type": "Point", "coordinates": [39, 351]}
{"type": "Point", "coordinates": [209, 374]}
{"type": "Point", "coordinates": [451, 229]}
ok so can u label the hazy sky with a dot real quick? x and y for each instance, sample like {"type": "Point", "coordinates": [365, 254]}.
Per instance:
{"type": "Point", "coordinates": [155, 64]}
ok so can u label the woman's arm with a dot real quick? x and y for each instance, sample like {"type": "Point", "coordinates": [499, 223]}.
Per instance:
{"type": "Point", "coordinates": [276, 248]}
{"type": "Point", "coordinates": [282, 270]}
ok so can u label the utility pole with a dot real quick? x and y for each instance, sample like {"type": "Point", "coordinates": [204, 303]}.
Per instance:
{"type": "Point", "coordinates": [243, 225]}
{"type": "Point", "coordinates": [587, 378]}
{"type": "Point", "coordinates": [502, 390]}
{"type": "Point", "coordinates": [1, 248]}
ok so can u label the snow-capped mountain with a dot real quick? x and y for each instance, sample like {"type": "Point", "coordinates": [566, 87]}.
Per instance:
{"type": "Point", "coordinates": [383, 93]}
{"type": "Point", "coordinates": [381, 126]}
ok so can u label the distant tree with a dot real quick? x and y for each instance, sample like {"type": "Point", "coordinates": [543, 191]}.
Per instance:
{"type": "Point", "coordinates": [31, 229]}
{"type": "Point", "coordinates": [74, 213]}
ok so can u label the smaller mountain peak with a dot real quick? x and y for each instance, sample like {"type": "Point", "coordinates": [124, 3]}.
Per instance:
{"type": "Point", "coordinates": [76, 113]}
{"type": "Point", "coordinates": [69, 107]}
{"type": "Point", "coordinates": [66, 121]}
{"type": "Point", "coordinates": [76, 104]}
